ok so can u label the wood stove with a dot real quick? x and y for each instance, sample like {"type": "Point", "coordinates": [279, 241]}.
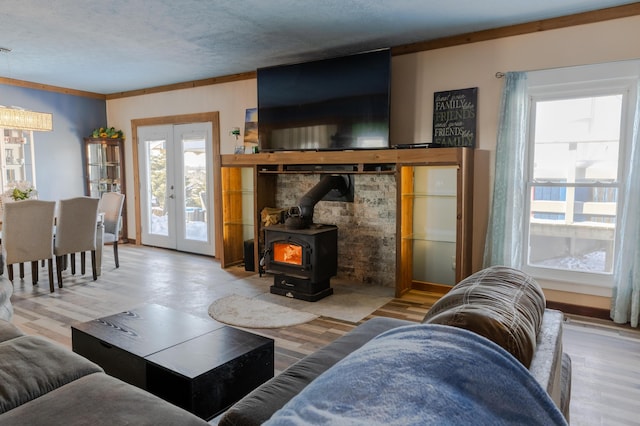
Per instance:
{"type": "Point", "coordinates": [302, 260]}
{"type": "Point", "coordinates": [301, 254]}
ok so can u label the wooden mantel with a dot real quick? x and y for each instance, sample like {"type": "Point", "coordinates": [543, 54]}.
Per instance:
{"type": "Point", "coordinates": [441, 156]}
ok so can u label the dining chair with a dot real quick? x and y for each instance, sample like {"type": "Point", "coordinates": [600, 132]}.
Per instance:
{"type": "Point", "coordinates": [111, 204]}
{"type": "Point", "coordinates": [76, 233]}
{"type": "Point", "coordinates": [27, 236]}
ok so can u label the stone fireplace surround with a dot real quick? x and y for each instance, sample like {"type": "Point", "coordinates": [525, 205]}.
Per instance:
{"type": "Point", "coordinates": [366, 227]}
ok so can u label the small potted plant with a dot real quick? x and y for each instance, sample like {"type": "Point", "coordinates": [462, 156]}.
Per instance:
{"type": "Point", "coordinates": [21, 191]}
{"type": "Point", "coordinates": [107, 132]}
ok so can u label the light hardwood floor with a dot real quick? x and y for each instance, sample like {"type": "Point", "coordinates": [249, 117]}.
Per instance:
{"type": "Point", "coordinates": [606, 357]}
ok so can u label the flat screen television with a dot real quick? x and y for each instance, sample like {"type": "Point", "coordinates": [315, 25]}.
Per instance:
{"type": "Point", "coordinates": [331, 104]}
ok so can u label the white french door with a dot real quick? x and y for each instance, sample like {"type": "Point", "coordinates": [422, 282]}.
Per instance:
{"type": "Point", "coordinates": [176, 177]}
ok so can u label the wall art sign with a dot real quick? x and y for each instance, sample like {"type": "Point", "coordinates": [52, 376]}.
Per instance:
{"type": "Point", "coordinates": [454, 118]}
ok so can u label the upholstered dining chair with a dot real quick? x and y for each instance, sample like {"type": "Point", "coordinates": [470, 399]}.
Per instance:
{"type": "Point", "coordinates": [27, 236]}
{"type": "Point", "coordinates": [111, 204]}
{"type": "Point", "coordinates": [76, 233]}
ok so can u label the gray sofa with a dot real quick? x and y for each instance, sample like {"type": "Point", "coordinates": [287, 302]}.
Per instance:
{"type": "Point", "coordinates": [498, 303]}
{"type": "Point", "coordinates": [6, 310]}
{"type": "Point", "coordinates": [43, 383]}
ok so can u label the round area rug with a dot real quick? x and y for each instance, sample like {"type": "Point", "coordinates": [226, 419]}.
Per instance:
{"type": "Point", "coordinates": [253, 313]}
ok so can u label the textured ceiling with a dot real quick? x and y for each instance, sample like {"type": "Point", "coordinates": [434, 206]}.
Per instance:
{"type": "Point", "coordinates": [109, 46]}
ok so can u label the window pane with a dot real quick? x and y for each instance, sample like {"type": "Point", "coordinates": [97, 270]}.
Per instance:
{"type": "Point", "coordinates": [577, 140]}
{"type": "Point", "coordinates": [572, 225]}
{"type": "Point", "coordinates": [572, 228]}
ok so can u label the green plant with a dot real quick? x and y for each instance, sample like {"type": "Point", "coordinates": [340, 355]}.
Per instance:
{"type": "Point", "coordinates": [19, 191]}
{"type": "Point", "coordinates": [107, 132]}
{"type": "Point", "coordinates": [19, 194]}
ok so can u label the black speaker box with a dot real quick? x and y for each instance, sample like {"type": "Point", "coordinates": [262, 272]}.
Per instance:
{"type": "Point", "coordinates": [249, 259]}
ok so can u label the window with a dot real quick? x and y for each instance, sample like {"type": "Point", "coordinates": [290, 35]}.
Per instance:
{"type": "Point", "coordinates": [577, 141]}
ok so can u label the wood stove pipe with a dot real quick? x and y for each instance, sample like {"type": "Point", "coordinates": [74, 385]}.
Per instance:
{"type": "Point", "coordinates": [308, 201]}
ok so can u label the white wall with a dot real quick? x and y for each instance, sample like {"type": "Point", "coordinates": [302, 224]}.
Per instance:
{"type": "Point", "coordinates": [415, 78]}
{"type": "Point", "coordinates": [230, 99]}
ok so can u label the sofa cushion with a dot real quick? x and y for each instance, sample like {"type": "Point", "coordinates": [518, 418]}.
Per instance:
{"type": "Point", "coordinates": [31, 366]}
{"type": "Point", "coordinates": [424, 374]}
{"type": "Point", "coordinates": [98, 399]}
{"type": "Point", "coordinates": [9, 331]}
{"type": "Point", "coordinates": [502, 304]}
{"type": "Point", "coordinates": [259, 405]}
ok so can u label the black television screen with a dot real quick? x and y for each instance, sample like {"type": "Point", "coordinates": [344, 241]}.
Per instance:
{"type": "Point", "coordinates": [332, 104]}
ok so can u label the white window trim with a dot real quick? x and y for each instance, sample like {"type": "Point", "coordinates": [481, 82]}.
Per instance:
{"type": "Point", "coordinates": [601, 79]}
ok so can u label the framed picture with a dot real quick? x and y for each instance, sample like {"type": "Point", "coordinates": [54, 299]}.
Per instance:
{"type": "Point", "coordinates": [251, 126]}
{"type": "Point", "coordinates": [455, 115]}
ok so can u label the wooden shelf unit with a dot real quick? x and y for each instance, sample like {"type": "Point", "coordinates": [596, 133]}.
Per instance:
{"type": "Point", "coordinates": [104, 171]}
{"type": "Point", "coordinates": [267, 166]}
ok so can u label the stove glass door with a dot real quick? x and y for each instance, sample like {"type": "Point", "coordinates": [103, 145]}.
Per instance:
{"type": "Point", "coordinates": [286, 252]}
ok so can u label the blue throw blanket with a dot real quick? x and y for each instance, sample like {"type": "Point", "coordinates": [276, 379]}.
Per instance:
{"type": "Point", "coordinates": [423, 374]}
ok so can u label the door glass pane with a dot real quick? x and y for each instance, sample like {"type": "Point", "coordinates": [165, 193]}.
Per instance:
{"type": "Point", "coordinates": [195, 189]}
{"type": "Point", "coordinates": [157, 186]}
{"type": "Point", "coordinates": [574, 191]}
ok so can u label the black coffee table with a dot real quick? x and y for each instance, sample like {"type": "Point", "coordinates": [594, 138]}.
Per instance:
{"type": "Point", "coordinates": [195, 363]}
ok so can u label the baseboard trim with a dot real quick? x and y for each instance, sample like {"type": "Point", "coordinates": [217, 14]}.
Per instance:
{"type": "Point", "coordinates": [441, 289]}
{"type": "Point", "coordinates": [585, 311]}
{"type": "Point", "coordinates": [568, 308]}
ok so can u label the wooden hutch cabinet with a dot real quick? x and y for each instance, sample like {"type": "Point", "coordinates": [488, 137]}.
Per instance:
{"type": "Point", "coordinates": [105, 170]}
{"type": "Point", "coordinates": [434, 205]}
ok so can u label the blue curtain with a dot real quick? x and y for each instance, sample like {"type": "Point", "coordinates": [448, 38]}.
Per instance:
{"type": "Point", "coordinates": [625, 300]}
{"type": "Point", "coordinates": [503, 245]}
